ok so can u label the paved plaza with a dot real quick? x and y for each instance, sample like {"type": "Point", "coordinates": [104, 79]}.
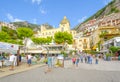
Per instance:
{"type": "Point", "coordinates": [105, 71]}
{"type": "Point", "coordinates": [102, 66]}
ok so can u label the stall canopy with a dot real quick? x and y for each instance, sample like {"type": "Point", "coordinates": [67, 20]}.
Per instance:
{"type": "Point", "coordinates": [9, 48]}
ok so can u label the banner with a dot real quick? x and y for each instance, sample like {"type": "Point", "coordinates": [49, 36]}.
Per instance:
{"type": "Point", "coordinates": [5, 46]}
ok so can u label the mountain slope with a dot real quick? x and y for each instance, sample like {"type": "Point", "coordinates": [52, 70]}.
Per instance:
{"type": "Point", "coordinates": [35, 27]}
{"type": "Point", "coordinates": [112, 7]}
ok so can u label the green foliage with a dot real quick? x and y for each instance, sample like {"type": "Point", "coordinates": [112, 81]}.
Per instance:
{"type": "Point", "coordinates": [12, 33]}
{"type": "Point", "coordinates": [26, 24]}
{"type": "Point", "coordinates": [101, 12]}
{"type": "Point", "coordinates": [98, 44]}
{"type": "Point", "coordinates": [93, 52]}
{"type": "Point", "coordinates": [49, 40]}
{"type": "Point", "coordinates": [58, 37]}
{"type": "Point", "coordinates": [108, 55]}
{"type": "Point", "coordinates": [36, 40]}
{"type": "Point", "coordinates": [11, 36]}
{"type": "Point", "coordinates": [23, 55]}
{"type": "Point", "coordinates": [24, 32]}
{"type": "Point", "coordinates": [114, 49]}
{"type": "Point", "coordinates": [62, 37]}
{"type": "Point", "coordinates": [103, 33]}
{"type": "Point", "coordinates": [42, 40]}
{"type": "Point", "coordinates": [15, 41]}
{"type": "Point", "coordinates": [113, 10]}
{"type": "Point", "coordinates": [4, 36]}
{"type": "Point", "coordinates": [64, 54]}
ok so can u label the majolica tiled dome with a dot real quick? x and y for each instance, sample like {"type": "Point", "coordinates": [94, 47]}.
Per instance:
{"type": "Point", "coordinates": [64, 21]}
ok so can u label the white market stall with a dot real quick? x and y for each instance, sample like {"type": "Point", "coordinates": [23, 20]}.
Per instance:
{"type": "Point", "coordinates": [8, 48]}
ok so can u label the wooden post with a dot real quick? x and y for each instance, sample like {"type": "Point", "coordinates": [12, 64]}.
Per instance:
{"type": "Point", "coordinates": [18, 54]}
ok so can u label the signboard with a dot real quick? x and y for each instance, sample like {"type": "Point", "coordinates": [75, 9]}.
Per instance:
{"type": "Point", "coordinates": [5, 46]}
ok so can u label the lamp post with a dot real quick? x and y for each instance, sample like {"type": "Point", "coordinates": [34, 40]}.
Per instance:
{"type": "Point", "coordinates": [18, 54]}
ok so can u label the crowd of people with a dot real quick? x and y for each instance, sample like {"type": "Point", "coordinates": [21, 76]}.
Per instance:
{"type": "Point", "coordinates": [84, 58]}
{"type": "Point", "coordinates": [53, 60]}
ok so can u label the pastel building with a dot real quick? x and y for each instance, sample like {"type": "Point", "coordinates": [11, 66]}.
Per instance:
{"type": "Point", "coordinates": [64, 26]}
{"type": "Point", "coordinates": [81, 43]}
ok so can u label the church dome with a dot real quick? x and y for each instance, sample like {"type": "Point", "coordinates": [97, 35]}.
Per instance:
{"type": "Point", "coordinates": [64, 21]}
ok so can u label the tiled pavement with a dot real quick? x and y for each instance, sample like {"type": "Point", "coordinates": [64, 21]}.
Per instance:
{"type": "Point", "coordinates": [105, 71]}
{"type": "Point", "coordinates": [17, 69]}
{"type": "Point", "coordinates": [103, 66]}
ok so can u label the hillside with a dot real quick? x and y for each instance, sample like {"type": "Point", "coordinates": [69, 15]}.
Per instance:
{"type": "Point", "coordinates": [35, 27]}
{"type": "Point", "coordinates": [112, 7]}
{"type": "Point", "coordinates": [26, 24]}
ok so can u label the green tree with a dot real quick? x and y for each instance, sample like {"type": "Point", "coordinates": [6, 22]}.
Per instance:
{"type": "Point", "coordinates": [42, 40]}
{"type": "Point", "coordinates": [15, 41]}
{"type": "Point", "coordinates": [103, 34]}
{"type": "Point", "coordinates": [4, 36]}
{"type": "Point", "coordinates": [12, 33]}
{"type": "Point", "coordinates": [62, 37]}
{"type": "Point", "coordinates": [48, 40]}
{"type": "Point", "coordinates": [36, 40]}
{"type": "Point", "coordinates": [114, 49]}
{"type": "Point", "coordinates": [24, 32]}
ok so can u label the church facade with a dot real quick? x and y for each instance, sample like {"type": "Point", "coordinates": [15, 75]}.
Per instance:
{"type": "Point", "coordinates": [64, 26]}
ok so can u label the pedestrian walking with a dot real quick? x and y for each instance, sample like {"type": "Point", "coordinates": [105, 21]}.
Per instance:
{"type": "Point", "coordinates": [73, 61]}
{"type": "Point", "coordinates": [20, 58]}
{"type": "Point", "coordinates": [85, 57]}
{"type": "Point", "coordinates": [49, 63]}
{"type": "Point", "coordinates": [81, 58]}
{"type": "Point", "coordinates": [77, 61]}
{"type": "Point", "coordinates": [15, 60]}
{"type": "Point", "coordinates": [53, 60]}
{"type": "Point", "coordinates": [96, 60]}
{"type": "Point", "coordinates": [29, 59]}
{"type": "Point", "coordinates": [11, 60]}
{"type": "Point", "coordinates": [90, 59]}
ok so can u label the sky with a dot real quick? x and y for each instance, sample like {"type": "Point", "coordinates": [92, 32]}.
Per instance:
{"type": "Point", "coordinates": [49, 11]}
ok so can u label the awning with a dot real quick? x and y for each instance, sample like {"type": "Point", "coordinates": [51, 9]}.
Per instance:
{"type": "Point", "coordinates": [117, 40]}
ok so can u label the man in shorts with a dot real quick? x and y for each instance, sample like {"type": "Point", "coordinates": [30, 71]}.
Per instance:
{"type": "Point", "coordinates": [11, 60]}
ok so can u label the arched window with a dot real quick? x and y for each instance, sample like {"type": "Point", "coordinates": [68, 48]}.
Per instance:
{"type": "Point", "coordinates": [62, 29]}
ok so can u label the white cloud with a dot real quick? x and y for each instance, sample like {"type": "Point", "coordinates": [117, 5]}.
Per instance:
{"type": "Point", "coordinates": [37, 1]}
{"type": "Point", "coordinates": [82, 19]}
{"type": "Point", "coordinates": [12, 19]}
{"type": "Point", "coordinates": [106, 2]}
{"type": "Point", "coordinates": [43, 11]}
{"type": "Point", "coordinates": [35, 21]}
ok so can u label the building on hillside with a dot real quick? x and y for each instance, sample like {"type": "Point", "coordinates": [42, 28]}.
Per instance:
{"type": "Point", "coordinates": [7, 25]}
{"type": "Point", "coordinates": [81, 43]}
{"type": "Point", "coordinates": [94, 29]}
{"type": "Point", "coordinates": [100, 35]}
{"type": "Point", "coordinates": [90, 26]}
{"type": "Point", "coordinates": [64, 26]}
{"type": "Point", "coordinates": [111, 20]}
